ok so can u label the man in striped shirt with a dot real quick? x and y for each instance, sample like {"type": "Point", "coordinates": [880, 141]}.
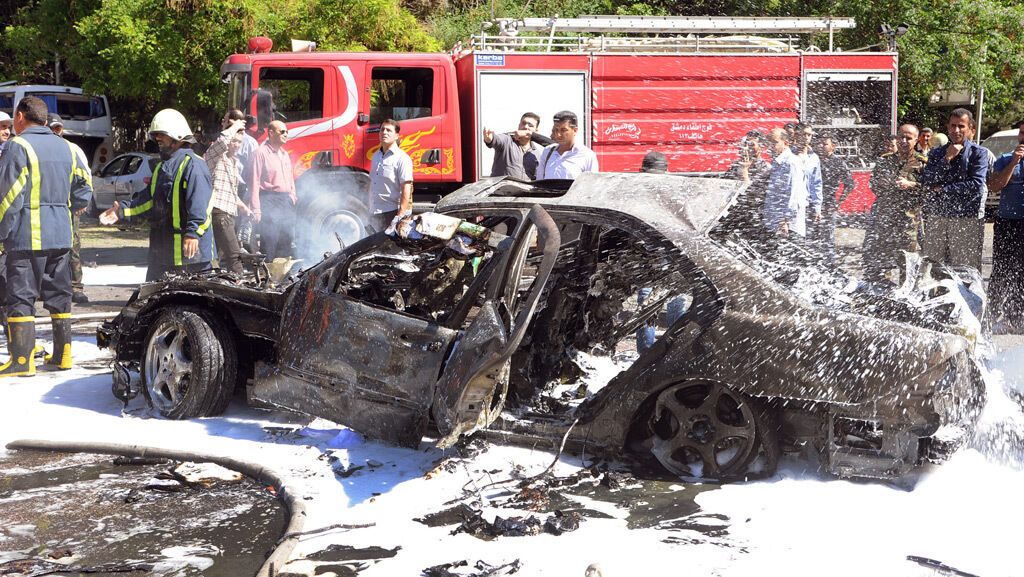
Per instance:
{"type": "Point", "coordinates": [221, 157]}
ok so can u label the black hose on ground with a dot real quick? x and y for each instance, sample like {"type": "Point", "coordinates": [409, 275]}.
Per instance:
{"type": "Point", "coordinates": [296, 508]}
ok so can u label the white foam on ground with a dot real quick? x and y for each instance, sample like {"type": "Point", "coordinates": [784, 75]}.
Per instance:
{"type": "Point", "coordinates": [113, 275]}
{"type": "Point", "coordinates": [961, 513]}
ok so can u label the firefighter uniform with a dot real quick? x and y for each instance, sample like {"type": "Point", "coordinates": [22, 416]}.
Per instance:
{"type": "Point", "coordinates": [178, 204]}
{"type": "Point", "coordinates": [41, 182]}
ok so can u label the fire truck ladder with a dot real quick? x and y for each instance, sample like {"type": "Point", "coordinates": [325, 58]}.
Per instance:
{"type": "Point", "coordinates": [639, 33]}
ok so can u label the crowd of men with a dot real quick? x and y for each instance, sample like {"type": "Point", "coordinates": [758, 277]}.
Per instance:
{"type": "Point", "coordinates": [930, 191]}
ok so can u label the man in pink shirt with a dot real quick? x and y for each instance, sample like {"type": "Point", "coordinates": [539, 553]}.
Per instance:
{"type": "Point", "coordinates": [273, 192]}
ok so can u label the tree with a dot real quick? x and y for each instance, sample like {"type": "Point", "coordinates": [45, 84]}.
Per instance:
{"type": "Point", "coordinates": [150, 54]}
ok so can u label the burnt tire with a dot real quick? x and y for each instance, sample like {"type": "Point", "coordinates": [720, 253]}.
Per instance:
{"type": "Point", "coordinates": [185, 371]}
{"type": "Point", "coordinates": [708, 430]}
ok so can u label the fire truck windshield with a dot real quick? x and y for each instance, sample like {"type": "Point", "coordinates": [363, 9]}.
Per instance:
{"type": "Point", "coordinates": [238, 90]}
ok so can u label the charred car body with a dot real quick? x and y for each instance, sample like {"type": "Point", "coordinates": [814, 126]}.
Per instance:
{"type": "Point", "coordinates": [388, 334]}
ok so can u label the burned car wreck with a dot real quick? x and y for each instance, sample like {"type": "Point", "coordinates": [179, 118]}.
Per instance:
{"type": "Point", "coordinates": [393, 336]}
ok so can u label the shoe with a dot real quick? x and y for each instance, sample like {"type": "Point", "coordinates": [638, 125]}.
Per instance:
{"type": "Point", "coordinates": [60, 360]}
{"type": "Point", "coordinates": [21, 347]}
{"type": "Point", "coordinates": [79, 297]}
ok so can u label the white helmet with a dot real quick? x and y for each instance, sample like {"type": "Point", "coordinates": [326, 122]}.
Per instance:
{"type": "Point", "coordinates": [170, 122]}
{"type": "Point", "coordinates": [4, 117]}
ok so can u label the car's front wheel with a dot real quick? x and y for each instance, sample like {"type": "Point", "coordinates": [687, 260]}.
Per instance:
{"type": "Point", "coordinates": [706, 429]}
{"type": "Point", "coordinates": [188, 370]}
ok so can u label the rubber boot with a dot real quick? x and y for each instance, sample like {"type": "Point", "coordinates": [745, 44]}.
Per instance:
{"type": "Point", "coordinates": [22, 343]}
{"type": "Point", "coordinates": [60, 360]}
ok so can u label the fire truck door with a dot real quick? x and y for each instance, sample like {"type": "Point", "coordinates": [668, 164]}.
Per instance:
{"type": "Point", "coordinates": [305, 100]}
{"type": "Point", "coordinates": [411, 94]}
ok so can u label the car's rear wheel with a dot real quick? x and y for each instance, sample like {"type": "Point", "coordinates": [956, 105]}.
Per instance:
{"type": "Point", "coordinates": [706, 429]}
{"type": "Point", "coordinates": [189, 365]}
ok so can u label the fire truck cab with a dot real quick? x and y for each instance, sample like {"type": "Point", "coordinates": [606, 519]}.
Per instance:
{"type": "Point", "coordinates": [691, 88]}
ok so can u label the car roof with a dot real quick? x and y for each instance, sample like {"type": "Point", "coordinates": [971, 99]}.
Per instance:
{"type": "Point", "coordinates": [664, 200]}
{"type": "Point", "coordinates": [1012, 132]}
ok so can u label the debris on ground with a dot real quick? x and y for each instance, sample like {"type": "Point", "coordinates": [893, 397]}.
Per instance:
{"type": "Point", "coordinates": [207, 474]}
{"type": "Point", "coordinates": [531, 499]}
{"type": "Point", "coordinates": [457, 514]}
{"type": "Point", "coordinates": [337, 553]}
{"type": "Point", "coordinates": [556, 524]}
{"type": "Point", "coordinates": [562, 522]}
{"type": "Point", "coordinates": [483, 569]}
{"type": "Point", "coordinates": [40, 567]}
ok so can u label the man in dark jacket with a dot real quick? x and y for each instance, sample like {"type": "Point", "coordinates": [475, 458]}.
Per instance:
{"type": "Point", "coordinates": [41, 182]}
{"type": "Point", "coordinates": [954, 183]}
{"type": "Point", "coordinates": [178, 202]}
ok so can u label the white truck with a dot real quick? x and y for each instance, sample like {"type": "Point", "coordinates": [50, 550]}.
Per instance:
{"type": "Point", "coordinates": [86, 116]}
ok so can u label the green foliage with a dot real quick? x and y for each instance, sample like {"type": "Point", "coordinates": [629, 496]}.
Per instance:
{"type": "Point", "coordinates": [149, 54]}
{"type": "Point", "coordinates": [951, 43]}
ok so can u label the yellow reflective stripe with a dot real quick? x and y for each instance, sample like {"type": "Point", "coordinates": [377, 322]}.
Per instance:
{"type": "Point", "coordinates": [209, 218]}
{"type": "Point", "coordinates": [177, 249]}
{"type": "Point", "coordinates": [60, 315]}
{"type": "Point", "coordinates": [21, 319]}
{"type": "Point", "coordinates": [137, 210]}
{"type": "Point", "coordinates": [33, 165]}
{"type": "Point", "coordinates": [176, 195]}
{"type": "Point", "coordinates": [14, 192]}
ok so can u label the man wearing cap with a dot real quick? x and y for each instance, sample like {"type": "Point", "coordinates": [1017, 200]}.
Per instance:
{"type": "Point", "coordinates": [78, 295]}
{"type": "Point", "coordinates": [5, 130]}
{"type": "Point", "coordinates": [41, 182]}
{"type": "Point", "coordinates": [178, 202]}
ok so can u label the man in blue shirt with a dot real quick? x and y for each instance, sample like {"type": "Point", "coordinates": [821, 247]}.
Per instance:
{"type": "Point", "coordinates": [785, 203]}
{"type": "Point", "coordinates": [1006, 286]}
{"type": "Point", "coordinates": [954, 195]}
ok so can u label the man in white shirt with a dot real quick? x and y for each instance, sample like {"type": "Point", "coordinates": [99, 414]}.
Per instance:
{"type": "Point", "coordinates": [390, 180]}
{"type": "Point", "coordinates": [566, 158]}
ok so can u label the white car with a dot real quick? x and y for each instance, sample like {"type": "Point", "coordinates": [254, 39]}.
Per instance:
{"type": "Point", "coordinates": [120, 178]}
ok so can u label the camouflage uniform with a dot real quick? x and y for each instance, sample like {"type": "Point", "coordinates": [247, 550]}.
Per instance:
{"type": "Point", "coordinates": [895, 216]}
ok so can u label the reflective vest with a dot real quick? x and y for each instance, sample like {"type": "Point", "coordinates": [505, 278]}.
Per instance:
{"type": "Point", "coordinates": [35, 210]}
{"type": "Point", "coordinates": [157, 207]}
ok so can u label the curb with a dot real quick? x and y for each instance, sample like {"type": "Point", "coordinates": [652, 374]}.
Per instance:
{"type": "Point", "coordinates": [296, 508]}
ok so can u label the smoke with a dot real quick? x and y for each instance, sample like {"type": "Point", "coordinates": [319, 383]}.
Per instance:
{"type": "Point", "coordinates": [331, 213]}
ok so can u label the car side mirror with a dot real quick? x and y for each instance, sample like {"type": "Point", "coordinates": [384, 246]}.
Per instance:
{"type": "Point", "coordinates": [264, 108]}
{"type": "Point", "coordinates": [363, 119]}
{"type": "Point", "coordinates": [431, 157]}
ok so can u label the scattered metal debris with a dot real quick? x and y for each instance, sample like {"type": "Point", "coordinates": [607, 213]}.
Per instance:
{"type": "Point", "coordinates": [483, 569]}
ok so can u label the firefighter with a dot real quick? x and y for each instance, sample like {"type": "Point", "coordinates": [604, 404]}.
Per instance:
{"type": "Point", "coordinates": [42, 181]}
{"type": "Point", "coordinates": [178, 202]}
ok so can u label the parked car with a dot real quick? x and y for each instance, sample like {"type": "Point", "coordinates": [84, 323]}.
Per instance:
{"type": "Point", "coordinates": [390, 334]}
{"type": "Point", "coordinates": [120, 178]}
{"type": "Point", "coordinates": [999, 143]}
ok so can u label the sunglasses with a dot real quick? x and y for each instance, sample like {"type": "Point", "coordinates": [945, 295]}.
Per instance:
{"type": "Point", "coordinates": [285, 131]}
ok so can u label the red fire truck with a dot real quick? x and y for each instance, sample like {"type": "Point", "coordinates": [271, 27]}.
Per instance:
{"type": "Point", "coordinates": [688, 87]}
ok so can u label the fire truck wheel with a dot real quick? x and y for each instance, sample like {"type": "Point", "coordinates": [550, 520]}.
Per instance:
{"type": "Point", "coordinates": [330, 222]}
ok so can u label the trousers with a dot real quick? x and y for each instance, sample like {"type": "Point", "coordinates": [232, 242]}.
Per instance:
{"type": "Point", "coordinates": [38, 274]}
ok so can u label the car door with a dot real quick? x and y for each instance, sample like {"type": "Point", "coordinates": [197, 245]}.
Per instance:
{"type": "Point", "coordinates": [104, 185]}
{"type": "Point", "coordinates": [472, 389]}
{"type": "Point", "coordinates": [130, 179]}
{"type": "Point", "coordinates": [349, 358]}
